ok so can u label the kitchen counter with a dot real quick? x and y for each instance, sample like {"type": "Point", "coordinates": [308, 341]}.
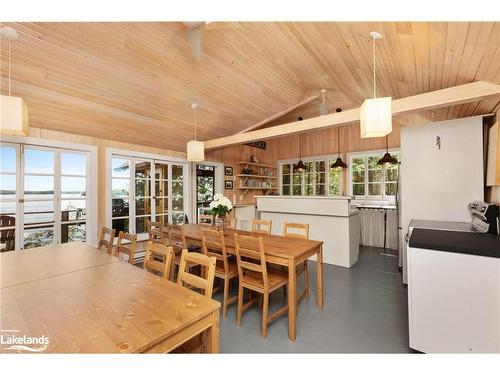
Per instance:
{"type": "Point", "coordinates": [331, 220]}
{"type": "Point", "coordinates": [482, 244]}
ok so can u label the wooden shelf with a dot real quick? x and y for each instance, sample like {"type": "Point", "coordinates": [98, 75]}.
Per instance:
{"type": "Point", "coordinates": [257, 164]}
{"type": "Point", "coordinates": [256, 176]}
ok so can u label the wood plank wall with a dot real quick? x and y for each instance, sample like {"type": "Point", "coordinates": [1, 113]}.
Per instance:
{"type": "Point", "coordinates": [322, 142]}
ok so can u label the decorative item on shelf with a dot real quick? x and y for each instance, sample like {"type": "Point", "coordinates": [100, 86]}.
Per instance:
{"type": "Point", "coordinates": [219, 208]}
{"type": "Point", "coordinates": [254, 159]}
{"type": "Point", "coordinates": [376, 113]}
{"type": "Point", "coordinates": [247, 171]}
{"type": "Point", "coordinates": [228, 185]}
{"type": "Point", "coordinates": [269, 173]}
{"type": "Point", "coordinates": [195, 148]}
{"type": "Point", "coordinates": [387, 159]}
{"type": "Point", "coordinates": [228, 171]}
{"type": "Point", "coordinates": [14, 118]}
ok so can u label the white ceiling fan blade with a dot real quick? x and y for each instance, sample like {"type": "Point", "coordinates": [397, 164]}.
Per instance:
{"type": "Point", "coordinates": [194, 40]}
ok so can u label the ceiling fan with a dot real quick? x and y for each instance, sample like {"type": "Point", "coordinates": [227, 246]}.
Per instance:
{"type": "Point", "coordinates": [193, 33]}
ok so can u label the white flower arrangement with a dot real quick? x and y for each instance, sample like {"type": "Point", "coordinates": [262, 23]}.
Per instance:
{"type": "Point", "coordinates": [220, 206]}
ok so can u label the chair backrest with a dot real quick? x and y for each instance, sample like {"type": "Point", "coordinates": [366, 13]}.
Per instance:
{"type": "Point", "coordinates": [296, 230]}
{"type": "Point", "coordinates": [205, 219]}
{"type": "Point", "coordinates": [176, 237]}
{"type": "Point", "coordinates": [199, 282]}
{"type": "Point", "coordinates": [230, 222]}
{"type": "Point", "coordinates": [213, 245]}
{"type": "Point", "coordinates": [129, 248]}
{"type": "Point", "coordinates": [8, 236]}
{"type": "Point", "coordinates": [250, 256]}
{"type": "Point", "coordinates": [261, 226]}
{"type": "Point", "coordinates": [106, 239]}
{"type": "Point", "coordinates": [156, 250]}
{"type": "Point", "coordinates": [154, 231]}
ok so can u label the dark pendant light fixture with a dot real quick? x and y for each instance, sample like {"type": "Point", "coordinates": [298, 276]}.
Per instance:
{"type": "Point", "coordinates": [339, 164]}
{"type": "Point", "coordinates": [300, 167]}
{"type": "Point", "coordinates": [387, 159]}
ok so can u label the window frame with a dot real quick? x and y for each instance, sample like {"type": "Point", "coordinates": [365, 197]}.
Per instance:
{"type": "Point", "coordinates": [366, 155]}
{"type": "Point", "coordinates": [313, 159]}
{"type": "Point", "coordinates": [132, 156]}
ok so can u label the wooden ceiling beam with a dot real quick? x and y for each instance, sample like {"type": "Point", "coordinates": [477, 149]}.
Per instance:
{"type": "Point", "coordinates": [279, 114]}
{"type": "Point", "coordinates": [435, 99]}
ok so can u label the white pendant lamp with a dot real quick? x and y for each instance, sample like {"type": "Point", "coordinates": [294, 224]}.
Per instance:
{"type": "Point", "coordinates": [195, 149]}
{"type": "Point", "coordinates": [376, 113]}
{"type": "Point", "coordinates": [14, 119]}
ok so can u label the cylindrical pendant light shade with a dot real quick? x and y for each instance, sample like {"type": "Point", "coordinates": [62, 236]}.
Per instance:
{"type": "Point", "coordinates": [195, 151]}
{"type": "Point", "coordinates": [376, 117]}
{"type": "Point", "coordinates": [14, 119]}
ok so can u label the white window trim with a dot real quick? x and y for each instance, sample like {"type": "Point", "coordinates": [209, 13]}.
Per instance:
{"type": "Point", "coordinates": [366, 154]}
{"type": "Point", "coordinates": [325, 158]}
{"type": "Point", "coordinates": [110, 152]}
{"type": "Point", "coordinates": [91, 210]}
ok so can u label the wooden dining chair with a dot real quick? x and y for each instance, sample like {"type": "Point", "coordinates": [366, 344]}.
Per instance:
{"type": "Point", "coordinates": [261, 226]}
{"type": "Point", "coordinates": [155, 251]}
{"type": "Point", "coordinates": [205, 219]}
{"type": "Point", "coordinates": [128, 248]}
{"type": "Point", "coordinates": [204, 284]}
{"type": "Point", "coordinates": [155, 232]}
{"type": "Point", "coordinates": [214, 245]}
{"type": "Point", "coordinates": [106, 239]}
{"type": "Point", "coordinates": [177, 239]}
{"type": "Point", "coordinates": [231, 222]}
{"type": "Point", "coordinates": [255, 276]}
{"type": "Point", "coordinates": [298, 230]}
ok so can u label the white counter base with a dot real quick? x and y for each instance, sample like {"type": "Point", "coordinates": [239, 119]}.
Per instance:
{"type": "Point", "coordinates": [453, 302]}
{"type": "Point", "coordinates": [330, 220]}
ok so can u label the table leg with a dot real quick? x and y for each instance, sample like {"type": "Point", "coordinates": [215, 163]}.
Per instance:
{"type": "Point", "coordinates": [213, 334]}
{"type": "Point", "coordinates": [319, 281]}
{"type": "Point", "coordinates": [292, 300]}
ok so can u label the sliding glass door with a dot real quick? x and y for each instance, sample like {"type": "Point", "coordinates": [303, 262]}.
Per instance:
{"type": "Point", "coordinates": [43, 196]}
{"type": "Point", "coordinates": [158, 196]}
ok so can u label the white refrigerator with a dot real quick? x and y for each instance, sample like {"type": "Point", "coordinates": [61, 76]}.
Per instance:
{"type": "Point", "coordinates": [441, 172]}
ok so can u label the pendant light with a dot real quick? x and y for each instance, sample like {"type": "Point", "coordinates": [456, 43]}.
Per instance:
{"type": "Point", "coordinates": [323, 109]}
{"type": "Point", "coordinates": [300, 167]}
{"type": "Point", "coordinates": [376, 113]}
{"type": "Point", "coordinates": [339, 164]}
{"type": "Point", "coordinates": [195, 149]}
{"type": "Point", "coordinates": [387, 159]}
{"type": "Point", "coordinates": [14, 119]}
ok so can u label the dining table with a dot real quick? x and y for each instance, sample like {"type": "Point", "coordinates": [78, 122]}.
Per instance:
{"type": "Point", "coordinates": [279, 250]}
{"type": "Point", "coordinates": [82, 300]}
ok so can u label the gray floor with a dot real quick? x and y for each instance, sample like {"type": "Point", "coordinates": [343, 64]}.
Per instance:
{"type": "Point", "coordinates": [365, 312]}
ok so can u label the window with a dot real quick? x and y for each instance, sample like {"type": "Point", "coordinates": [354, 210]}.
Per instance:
{"type": "Point", "coordinates": [146, 189]}
{"type": "Point", "coordinates": [368, 179]}
{"type": "Point", "coordinates": [43, 198]}
{"type": "Point", "coordinates": [317, 179]}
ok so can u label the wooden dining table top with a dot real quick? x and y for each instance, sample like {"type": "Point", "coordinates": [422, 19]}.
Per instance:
{"type": "Point", "coordinates": [112, 307]}
{"type": "Point", "coordinates": [17, 267]}
{"type": "Point", "coordinates": [274, 245]}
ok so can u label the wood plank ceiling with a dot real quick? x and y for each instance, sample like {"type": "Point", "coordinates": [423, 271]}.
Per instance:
{"type": "Point", "coordinates": [134, 82]}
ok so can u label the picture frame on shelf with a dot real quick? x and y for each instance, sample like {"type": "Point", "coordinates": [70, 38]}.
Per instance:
{"type": "Point", "coordinates": [228, 185]}
{"type": "Point", "coordinates": [228, 171]}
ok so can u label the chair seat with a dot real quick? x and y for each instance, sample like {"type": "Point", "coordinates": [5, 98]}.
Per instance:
{"type": "Point", "coordinates": [232, 269]}
{"type": "Point", "coordinates": [253, 280]}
